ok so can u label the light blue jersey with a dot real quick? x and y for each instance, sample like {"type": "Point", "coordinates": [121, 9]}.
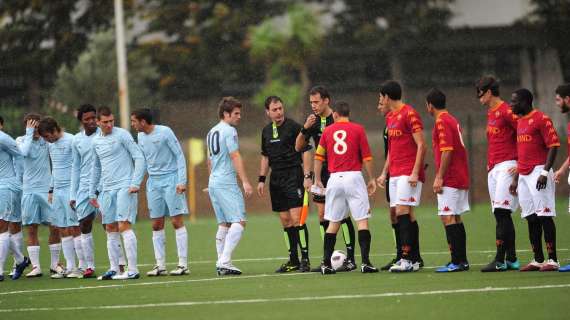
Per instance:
{"type": "Point", "coordinates": [117, 161]}
{"type": "Point", "coordinates": [82, 154]}
{"type": "Point", "coordinates": [221, 141]}
{"type": "Point", "coordinates": [61, 161]}
{"type": "Point", "coordinates": [163, 153]}
{"type": "Point", "coordinates": [10, 159]}
{"type": "Point", "coordinates": [37, 173]}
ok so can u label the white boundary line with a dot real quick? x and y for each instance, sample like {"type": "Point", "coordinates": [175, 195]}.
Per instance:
{"type": "Point", "coordinates": [307, 298]}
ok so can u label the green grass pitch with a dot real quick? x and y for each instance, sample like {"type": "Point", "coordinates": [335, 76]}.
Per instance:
{"type": "Point", "coordinates": [261, 294]}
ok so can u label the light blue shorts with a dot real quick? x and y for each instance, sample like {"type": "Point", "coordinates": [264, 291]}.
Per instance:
{"type": "Point", "coordinates": [162, 198]}
{"type": "Point", "coordinates": [82, 206]}
{"type": "Point", "coordinates": [118, 205]}
{"type": "Point", "coordinates": [62, 214]}
{"type": "Point", "coordinates": [10, 205]}
{"type": "Point", "coordinates": [36, 209]}
{"type": "Point", "coordinates": [228, 204]}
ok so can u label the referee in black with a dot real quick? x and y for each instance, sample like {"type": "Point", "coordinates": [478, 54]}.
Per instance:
{"type": "Point", "coordinates": [286, 183]}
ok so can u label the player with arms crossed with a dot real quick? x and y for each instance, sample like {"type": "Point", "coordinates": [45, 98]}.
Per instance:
{"type": "Point", "coordinates": [537, 145]}
{"type": "Point", "coordinates": [286, 183]}
{"type": "Point", "coordinates": [313, 127]}
{"type": "Point", "coordinates": [165, 188]}
{"type": "Point", "coordinates": [451, 182]}
{"type": "Point", "coordinates": [224, 161]}
{"type": "Point", "coordinates": [501, 168]}
{"type": "Point", "coordinates": [405, 166]}
{"type": "Point", "coordinates": [119, 164]}
{"type": "Point", "coordinates": [345, 148]}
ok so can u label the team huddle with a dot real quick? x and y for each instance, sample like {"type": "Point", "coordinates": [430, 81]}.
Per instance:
{"type": "Point", "coordinates": [50, 177]}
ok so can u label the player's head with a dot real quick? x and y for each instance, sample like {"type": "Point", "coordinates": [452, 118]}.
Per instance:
{"type": "Point", "coordinates": [563, 97]}
{"type": "Point", "coordinates": [141, 119]}
{"type": "Point", "coordinates": [274, 109]}
{"type": "Point", "coordinates": [87, 116]}
{"type": "Point", "coordinates": [390, 92]}
{"type": "Point", "coordinates": [49, 129]}
{"type": "Point", "coordinates": [105, 119]}
{"type": "Point", "coordinates": [341, 109]}
{"type": "Point", "coordinates": [229, 110]}
{"type": "Point", "coordinates": [521, 101]}
{"type": "Point", "coordinates": [435, 100]}
{"type": "Point", "coordinates": [320, 99]}
{"type": "Point", "coordinates": [33, 117]}
{"type": "Point", "coordinates": [487, 87]}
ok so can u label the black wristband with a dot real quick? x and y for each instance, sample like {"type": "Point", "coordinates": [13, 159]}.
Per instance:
{"type": "Point", "coordinates": [309, 175]}
{"type": "Point", "coordinates": [262, 179]}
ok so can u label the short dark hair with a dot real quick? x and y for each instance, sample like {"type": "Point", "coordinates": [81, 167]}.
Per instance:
{"type": "Point", "coordinates": [436, 98]}
{"type": "Point", "coordinates": [563, 90]}
{"type": "Point", "coordinates": [487, 83]}
{"type": "Point", "coordinates": [143, 114]}
{"type": "Point", "coordinates": [104, 111]}
{"type": "Point", "coordinates": [271, 99]}
{"type": "Point", "coordinates": [342, 108]}
{"type": "Point", "coordinates": [83, 109]}
{"type": "Point", "coordinates": [321, 90]}
{"type": "Point", "coordinates": [1, 121]}
{"type": "Point", "coordinates": [392, 89]}
{"type": "Point", "coordinates": [525, 95]}
{"type": "Point", "coordinates": [228, 104]}
{"type": "Point", "coordinates": [31, 116]}
{"type": "Point", "coordinates": [48, 124]}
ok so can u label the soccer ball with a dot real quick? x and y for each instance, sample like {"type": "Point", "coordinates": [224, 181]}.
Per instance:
{"type": "Point", "coordinates": [337, 259]}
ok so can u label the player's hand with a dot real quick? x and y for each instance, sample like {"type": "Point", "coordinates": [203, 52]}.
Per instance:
{"type": "Point", "coordinates": [512, 170]}
{"type": "Point", "coordinates": [438, 185]}
{"type": "Point", "coordinates": [94, 203]}
{"type": "Point", "coordinates": [260, 189]}
{"type": "Point", "coordinates": [541, 182]}
{"type": "Point", "coordinates": [319, 184]}
{"type": "Point", "coordinates": [381, 181]}
{"type": "Point", "coordinates": [134, 189]}
{"type": "Point", "coordinates": [247, 189]}
{"type": "Point", "coordinates": [180, 188]}
{"type": "Point", "coordinates": [311, 119]}
{"type": "Point", "coordinates": [371, 186]}
{"type": "Point", "coordinates": [50, 197]}
{"type": "Point", "coordinates": [413, 180]}
{"type": "Point", "coordinates": [307, 183]}
{"type": "Point", "coordinates": [32, 124]}
{"type": "Point", "coordinates": [72, 204]}
{"type": "Point", "coordinates": [513, 187]}
{"type": "Point", "coordinates": [557, 175]}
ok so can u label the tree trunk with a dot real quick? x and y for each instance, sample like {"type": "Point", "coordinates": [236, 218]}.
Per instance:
{"type": "Point", "coordinates": [34, 94]}
{"type": "Point", "coordinates": [301, 110]}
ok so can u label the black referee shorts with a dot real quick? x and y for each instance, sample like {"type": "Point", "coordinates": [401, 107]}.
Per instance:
{"type": "Point", "coordinates": [325, 175]}
{"type": "Point", "coordinates": [286, 189]}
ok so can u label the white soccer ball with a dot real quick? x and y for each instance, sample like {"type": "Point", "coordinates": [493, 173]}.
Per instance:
{"type": "Point", "coordinates": [337, 259]}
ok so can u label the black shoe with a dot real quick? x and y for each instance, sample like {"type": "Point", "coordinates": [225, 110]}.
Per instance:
{"type": "Point", "coordinates": [305, 266]}
{"type": "Point", "coordinates": [288, 267]}
{"type": "Point", "coordinates": [421, 261]}
{"type": "Point", "coordinates": [368, 268]}
{"type": "Point", "coordinates": [389, 264]}
{"type": "Point", "coordinates": [465, 266]}
{"type": "Point", "coordinates": [347, 266]}
{"type": "Point", "coordinates": [326, 269]}
{"type": "Point", "coordinates": [494, 266]}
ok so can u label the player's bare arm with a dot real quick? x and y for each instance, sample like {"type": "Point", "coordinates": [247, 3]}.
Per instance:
{"type": "Point", "coordinates": [371, 185]}
{"type": "Point", "coordinates": [542, 179]}
{"type": "Point", "coordinates": [381, 180]}
{"type": "Point", "coordinates": [514, 185]}
{"type": "Point", "coordinates": [240, 169]}
{"type": "Point", "coordinates": [561, 171]}
{"type": "Point", "coordinates": [420, 142]}
{"type": "Point", "coordinates": [263, 170]}
{"type": "Point", "coordinates": [445, 161]}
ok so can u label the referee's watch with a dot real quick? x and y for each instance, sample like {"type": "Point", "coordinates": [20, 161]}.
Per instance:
{"type": "Point", "coordinates": [309, 175]}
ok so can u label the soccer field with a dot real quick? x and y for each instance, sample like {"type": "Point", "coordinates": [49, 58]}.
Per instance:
{"type": "Point", "coordinates": [261, 294]}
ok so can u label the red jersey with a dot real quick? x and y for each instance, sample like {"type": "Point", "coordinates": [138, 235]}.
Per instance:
{"type": "Point", "coordinates": [344, 146]}
{"type": "Point", "coordinates": [402, 124]}
{"type": "Point", "coordinates": [446, 136]}
{"type": "Point", "coordinates": [501, 135]}
{"type": "Point", "coordinates": [535, 135]}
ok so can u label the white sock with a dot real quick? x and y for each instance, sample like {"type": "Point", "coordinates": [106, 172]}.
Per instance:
{"type": "Point", "coordinates": [88, 252]}
{"type": "Point", "coordinates": [130, 240]}
{"type": "Point", "coordinates": [54, 250]}
{"type": "Point", "coordinates": [158, 240]}
{"type": "Point", "coordinates": [79, 251]}
{"type": "Point", "coordinates": [4, 248]}
{"type": "Point", "coordinates": [232, 239]}
{"type": "Point", "coordinates": [122, 260]}
{"type": "Point", "coordinates": [17, 246]}
{"type": "Point", "coordinates": [182, 246]}
{"type": "Point", "coordinates": [68, 248]}
{"type": "Point", "coordinates": [113, 250]}
{"type": "Point", "coordinates": [220, 240]}
{"type": "Point", "coordinates": [34, 252]}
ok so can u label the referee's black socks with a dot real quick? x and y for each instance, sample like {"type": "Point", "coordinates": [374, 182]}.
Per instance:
{"type": "Point", "coordinates": [330, 240]}
{"type": "Point", "coordinates": [304, 241]}
{"type": "Point", "coordinates": [324, 226]}
{"type": "Point", "coordinates": [364, 239]}
{"type": "Point", "coordinates": [349, 237]}
{"type": "Point", "coordinates": [535, 237]}
{"type": "Point", "coordinates": [292, 235]}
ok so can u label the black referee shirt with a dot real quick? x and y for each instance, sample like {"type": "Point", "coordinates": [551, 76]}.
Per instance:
{"type": "Point", "coordinates": [279, 146]}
